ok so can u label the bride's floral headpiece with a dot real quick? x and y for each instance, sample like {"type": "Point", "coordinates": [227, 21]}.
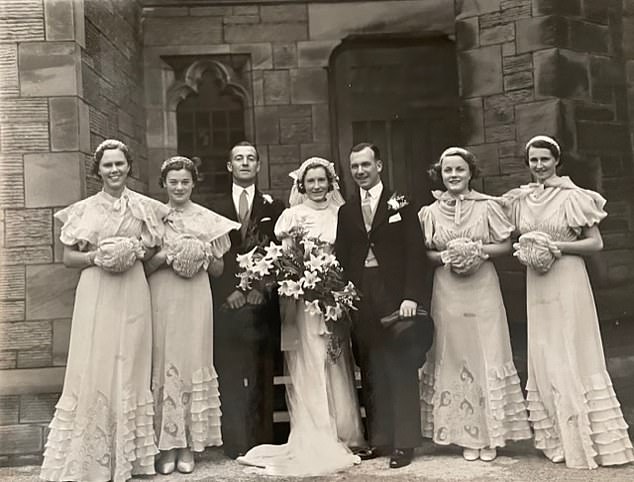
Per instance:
{"type": "Point", "coordinates": [546, 139]}
{"type": "Point", "coordinates": [298, 174]}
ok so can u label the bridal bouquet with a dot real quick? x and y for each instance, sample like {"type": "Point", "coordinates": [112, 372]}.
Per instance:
{"type": "Point", "coordinates": [536, 250]}
{"type": "Point", "coordinates": [303, 267]}
{"type": "Point", "coordinates": [118, 253]}
{"type": "Point", "coordinates": [187, 255]}
{"type": "Point", "coordinates": [463, 256]}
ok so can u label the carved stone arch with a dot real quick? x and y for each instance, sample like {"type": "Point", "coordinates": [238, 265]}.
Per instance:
{"type": "Point", "coordinates": [192, 77]}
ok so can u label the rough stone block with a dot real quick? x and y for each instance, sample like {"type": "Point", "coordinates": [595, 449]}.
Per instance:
{"type": "Point", "coordinates": [50, 291]}
{"type": "Point", "coordinates": [49, 69]}
{"type": "Point", "coordinates": [315, 53]}
{"type": "Point", "coordinates": [508, 48]}
{"type": "Point", "coordinates": [596, 11]}
{"type": "Point", "coordinates": [497, 185]}
{"type": "Point", "coordinates": [20, 439]}
{"type": "Point", "coordinates": [561, 73]}
{"type": "Point", "coordinates": [335, 21]}
{"type": "Point", "coordinates": [52, 179]}
{"type": "Point", "coordinates": [23, 110]}
{"type": "Point", "coordinates": [517, 63]}
{"type": "Point", "coordinates": [480, 71]}
{"type": "Point", "coordinates": [24, 137]}
{"type": "Point", "coordinates": [276, 87]}
{"type": "Point", "coordinates": [589, 37]}
{"type": "Point", "coordinates": [606, 72]}
{"type": "Point", "coordinates": [265, 32]}
{"type": "Point", "coordinates": [284, 13]}
{"type": "Point", "coordinates": [284, 154]}
{"type": "Point", "coordinates": [602, 137]}
{"type": "Point", "coordinates": [25, 335]}
{"type": "Point", "coordinates": [241, 20]}
{"type": "Point", "coordinates": [12, 282]}
{"type": "Point", "coordinates": [11, 180]}
{"type": "Point", "coordinates": [499, 133]}
{"type": "Point", "coordinates": [59, 20]}
{"type": "Point", "coordinates": [591, 112]}
{"type": "Point", "coordinates": [538, 118]}
{"type": "Point", "coordinates": [315, 149]}
{"type": "Point", "coordinates": [556, 7]}
{"type": "Point", "coordinates": [246, 10]}
{"type": "Point", "coordinates": [64, 123]}
{"type": "Point", "coordinates": [321, 123]}
{"type": "Point", "coordinates": [471, 121]}
{"type": "Point", "coordinates": [28, 227]}
{"type": "Point", "coordinates": [9, 409]}
{"type": "Point", "coordinates": [8, 360]}
{"type": "Point", "coordinates": [538, 33]}
{"type": "Point", "coordinates": [513, 165]}
{"type": "Point", "coordinates": [279, 174]}
{"type": "Point", "coordinates": [9, 85]}
{"type": "Point", "coordinates": [487, 155]}
{"type": "Point", "coordinates": [61, 339]}
{"type": "Point", "coordinates": [309, 86]}
{"type": "Point", "coordinates": [467, 33]}
{"type": "Point", "coordinates": [210, 11]}
{"type": "Point", "coordinates": [294, 110]}
{"type": "Point", "coordinates": [28, 255]}
{"type": "Point", "coordinates": [498, 34]}
{"type": "Point", "coordinates": [11, 311]}
{"type": "Point", "coordinates": [267, 129]}
{"type": "Point", "coordinates": [37, 408]}
{"type": "Point", "coordinates": [261, 54]}
{"type": "Point", "coordinates": [518, 81]}
{"type": "Point", "coordinates": [498, 109]}
{"type": "Point", "coordinates": [183, 30]}
{"type": "Point", "coordinates": [165, 12]}
{"type": "Point", "coordinates": [296, 130]}
{"type": "Point", "coordinates": [285, 55]}
{"type": "Point", "coordinates": [473, 8]}
{"type": "Point", "coordinates": [22, 21]}
{"type": "Point", "coordinates": [509, 149]}
{"type": "Point", "coordinates": [37, 358]}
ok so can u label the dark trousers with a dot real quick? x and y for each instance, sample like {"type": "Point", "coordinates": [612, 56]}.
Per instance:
{"type": "Point", "coordinates": [389, 359]}
{"type": "Point", "coordinates": [243, 349]}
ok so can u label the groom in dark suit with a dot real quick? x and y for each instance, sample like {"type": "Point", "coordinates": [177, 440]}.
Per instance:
{"type": "Point", "coordinates": [380, 246]}
{"type": "Point", "coordinates": [246, 324]}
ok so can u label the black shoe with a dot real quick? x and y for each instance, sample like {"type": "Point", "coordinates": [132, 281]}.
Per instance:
{"type": "Point", "coordinates": [233, 453]}
{"type": "Point", "coordinates": [371, 453]}
{"type": "Point", "coordinates": [401, 458]}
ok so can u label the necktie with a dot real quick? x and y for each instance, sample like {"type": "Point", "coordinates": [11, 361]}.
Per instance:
{"type": "Point", "coordinates": [366, 209]}
{"type": "Point", "coordinates": [243, 206]}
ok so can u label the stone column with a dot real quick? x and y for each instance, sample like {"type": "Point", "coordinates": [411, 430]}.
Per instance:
{"type": "Point", "coordinates": [44, 141]}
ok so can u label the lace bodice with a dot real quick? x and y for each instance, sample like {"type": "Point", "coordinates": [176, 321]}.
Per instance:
{"type": "Point", "coordinates": [320, 221]}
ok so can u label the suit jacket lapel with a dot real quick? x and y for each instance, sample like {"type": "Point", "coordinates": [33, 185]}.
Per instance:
{"type": "Point", "coordinates": [380, 216]}
{"type": "Point", "coordinates": [256, 209]}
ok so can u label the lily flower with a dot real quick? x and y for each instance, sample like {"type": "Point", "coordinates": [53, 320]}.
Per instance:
{"type": "Point", "coordinates": [245, 259]}
{"type": "Point", "coordinates": [290, 288]}
{"type": "Point", "coordinates": [309, 280]}
{"type": "Point", "coordinates": [312, 307]}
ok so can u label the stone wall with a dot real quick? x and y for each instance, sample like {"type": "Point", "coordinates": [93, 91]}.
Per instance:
{"type": "Point", "coordinates": [79, 80]}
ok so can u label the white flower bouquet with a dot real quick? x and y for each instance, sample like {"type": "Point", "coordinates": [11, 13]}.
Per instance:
{"type": "Point", "coordinates": [536, 250]}
{"type": "Point", "coordinates": [463, 256]}
{"type": "Point", "coordinates": [118, 253]}
{"type": "Point", "coordinates": [187, 255]}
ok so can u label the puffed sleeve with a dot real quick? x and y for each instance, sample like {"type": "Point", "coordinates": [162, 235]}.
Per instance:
{"type": "Point", "coordinates": [220, 246]}
{"type": "Point", "coordinates": [500, 228]}
{"type": "Point", "coordinates": [284, 223]}
{"type": "Point", "coordinates": [426, 220]}
{"type": "Point", "coordinates": [584, 208]}
{"type": "Point", "coordinates": [152, 213]}
{"type": "Point", "coordinates": [511, 204]}
{"type": "Point", "coordinates": [215, 230]}
{"type": "Point", "coordinates": [78, 226]}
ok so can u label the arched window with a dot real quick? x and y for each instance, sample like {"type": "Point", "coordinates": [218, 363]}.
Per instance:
{"type": "Point", "coordinates": [209, 122]}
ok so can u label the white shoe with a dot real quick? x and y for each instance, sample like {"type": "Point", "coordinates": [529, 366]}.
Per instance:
{"type": "Point", "coordinates": [488, 454]}
{"type": "Point", "coordinates": [471, 454]}
{"type": "Point", "coordinates": [556, 455]}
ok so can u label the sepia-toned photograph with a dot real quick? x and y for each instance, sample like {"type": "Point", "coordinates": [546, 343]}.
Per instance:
{"type": "Point", "coordinates": [320, 240]}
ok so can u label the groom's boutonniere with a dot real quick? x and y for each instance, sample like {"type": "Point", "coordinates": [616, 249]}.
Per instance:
{"type": "Point", "coordinates": [397, 202]}
{"type": "Point", "coordinates": [267, 198]}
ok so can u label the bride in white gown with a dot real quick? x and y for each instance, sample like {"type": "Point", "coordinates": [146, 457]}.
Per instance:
{"type": "Point", "coordinates": [321, 398]}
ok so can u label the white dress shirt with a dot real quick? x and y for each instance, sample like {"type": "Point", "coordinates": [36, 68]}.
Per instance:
{"type": "Point", "coordinates": [236, 191]}
{"type": "Point", "coordinates": [375, 192]}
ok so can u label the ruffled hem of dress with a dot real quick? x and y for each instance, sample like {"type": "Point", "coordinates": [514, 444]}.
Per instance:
{"type": "Point", "coordinates": [506, 417]}
{"type": "Point", "coordinates": [602, 428]}
{"type": "Point", "coordinates": [203, 421]}
{"type": "Point", "coordinates": [138, 439]}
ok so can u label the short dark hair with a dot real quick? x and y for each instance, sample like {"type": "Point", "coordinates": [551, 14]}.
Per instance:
{"type": "Point", "coordinates": [300, 182]}
{"type": "Point", "coordinates": [109, 144]}
{"type": "Point", "coordinates": [247, 144]}
{"type": "Point", "coordinates": [363, 145]}
{"type": "Point", "coordinates": [435, 172]}
{"type": "Point", "coordinates": [176, 163]}
{"type": "Point", "coordinates": [544, 145]}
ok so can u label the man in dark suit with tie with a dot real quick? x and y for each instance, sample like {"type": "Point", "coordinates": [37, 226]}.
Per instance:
{"type": "Point", "coordinates": [380, 246]}
{"type": "Point", "coordinates": [246, 324]}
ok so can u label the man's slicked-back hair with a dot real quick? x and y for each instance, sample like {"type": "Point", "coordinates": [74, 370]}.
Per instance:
{"type": "Point", "coordinates": [247, 144]}
{"type": "Point", "coordinates": [363, 145]}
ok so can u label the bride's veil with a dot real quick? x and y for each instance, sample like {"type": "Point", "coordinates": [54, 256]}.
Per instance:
{"type": "Point", "coordinates": [297, 197]}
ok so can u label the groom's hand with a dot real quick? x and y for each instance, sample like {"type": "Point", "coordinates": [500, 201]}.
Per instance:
{"type": "Point", "coordinates": [236, 300]}
{"type": "Point", "coordinates": [255, 297]}
{"type": "Point", "coordinates": [408, 308]}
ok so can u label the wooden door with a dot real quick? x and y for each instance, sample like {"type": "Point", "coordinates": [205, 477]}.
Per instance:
{"type": "Point", "coordinates": [401, 95]}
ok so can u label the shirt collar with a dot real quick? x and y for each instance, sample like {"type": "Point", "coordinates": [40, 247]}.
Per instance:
{"type": "Point", "coordinates": [237, 190]}
{"type": "Point", "coordinates": [375, 191]}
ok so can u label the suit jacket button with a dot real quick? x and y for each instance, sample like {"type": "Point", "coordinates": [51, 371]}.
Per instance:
{"type": "Point", "coordinates": [372, 245]}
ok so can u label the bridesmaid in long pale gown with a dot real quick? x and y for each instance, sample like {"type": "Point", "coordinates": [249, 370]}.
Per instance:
{"type": "Point", "coordinates": [470, 391]}
{"type": "Point", "coordinates": [321, 398]}
{"type": "Point", "coordinates": [573, 408]}
{"type": "Point", "coordinates": [184, 381]}
{"type": "Point", "coordinates": [102, 427]}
